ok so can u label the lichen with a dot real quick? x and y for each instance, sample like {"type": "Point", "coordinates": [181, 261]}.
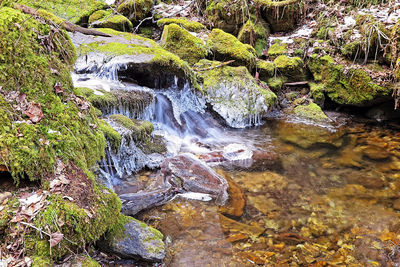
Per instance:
{"type": "Point", "coordinates": [182, 43]}
{"type": "Point", "coordinates": [192, 26]}
{"type": "Point", "coordinates": [226, 46]}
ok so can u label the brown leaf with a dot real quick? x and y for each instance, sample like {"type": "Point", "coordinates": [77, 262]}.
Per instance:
{"type": "Point", "coordinates": [55, 239]}
{"type": "Point", "coordinates": [58, 88]}
{"type": "Point", "coordinates": [34, 112]}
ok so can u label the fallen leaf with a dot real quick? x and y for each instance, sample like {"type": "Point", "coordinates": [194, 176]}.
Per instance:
{"type": "Point", "coordinates": [34, 112]}
{"type": "Point", "coordinates": [58, 88]}
{"type": "Point", "coordinates": [55, 239]}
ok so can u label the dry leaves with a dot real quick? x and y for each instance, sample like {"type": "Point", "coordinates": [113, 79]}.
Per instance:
{"type": "Point", "coordinates": [34, 112]}
{"type": "Point", "coordinates": [55, 239]}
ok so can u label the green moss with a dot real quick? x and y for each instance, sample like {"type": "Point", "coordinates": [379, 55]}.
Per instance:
{"type": "Point", "coordinates": [76, 11]}
{"type": "Point", "coordinates": [226, 46]}
{"type": "Point", "coordinates": [106, 19]}
{"type": "Point", "coordinates": [311, 112]}
{"type": "Point", "coordinates": [344, 85]}
{"type": "Point", "coordinates": [255, 32]}
{"type": "Point", "coordinates": [290, 67]}
{"type": "Point", "coordinates": [278, 48]}
{"type": "Point", "coordinates": [227, 15]}
{"type": "Point", "coordinates": [40, 261]}
{"type": "Point", "coordinates": [7, 212]}
{"type": "Point", "coordinates": [191, 26]}
{"type": "Point", "coordinates": [317, 92]}
{"type": "Point", "coordinates": [266, 70]}
{"type": "Point", "coordinates": [99, 14]}
{"type": "Point", "coordinates": [135, 10]}
{"type": "Point", "coordinates": [64, 131]}
{"type": "Point", "coordinates": [111, 135]}
{"type": "Point", "coordinates": [182, 43]}
{"type": "Point", "coordinates": [276, 83]}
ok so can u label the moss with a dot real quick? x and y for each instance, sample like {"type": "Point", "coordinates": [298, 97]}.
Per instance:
{"type": "Point", "coordinates": [276, 83]}
{"type": "Point", "coordinates": [226, 46]}
{"type": "Point", "coordinates": [7, 212]}
{"type": "Point", "coordinates": [266, 70]}
{"type": "Point", "coordinates": [113, 137]}
{"type": "Point", "coordinates": [317, 92]}
{"type": "Point", "coordinates": [80, 226]}
{"type": "Point", "coordinates": [40, 261]}
{"type": "Point", "coordinates": [106, 19]}
{"type": "Point", "coordinates": [310, 112]}
{"type": "Point", "coordinates": [256, 33]}
{"type": "Point", "coordinates": [182, 43]}
{"type": "Point", "coordinates": [277, 48]}
{"type": "Point", "coordinates": [191, 26]}
{"type": "Point", "coordinates": [146, 32]}
{"type": "Point", "coordinates": [344, 85]}
{"type": "Point", "coordinates": [135, 10]}
{"type": "Point", "coordinates": [64, 131]}
{"type": "Point", "coordinates": [76, 11]}
{"type": "Point", "coordinates": [290, 67]}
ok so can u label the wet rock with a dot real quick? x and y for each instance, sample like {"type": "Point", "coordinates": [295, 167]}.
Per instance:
{"type": "Point", "coordinates": [376, 153]}
{"type": "Point", "coordinates": [4, 196]}
{"type": "Point", "coordinates": [131, 238]}
{"type": "Point", "coordinates": [368, 180]}
{"type": "Point", "coordinates": [230, 225]}
{"type": "Point", "coordinates": [191, 174]}
{"type": "Point", "coordinates": [106, 19]}
{"type": "Point", "coordinates": [265, 160]}
{"type": "Point", "coordinates": [396, 204]}
{"type": "Point", "coordinates": [237, 200]}
{"type": "Point", "coordinates": [135, 10]}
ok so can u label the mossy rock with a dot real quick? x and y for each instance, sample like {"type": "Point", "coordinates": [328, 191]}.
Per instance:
{"type": "Point", "coordinates": [185, 23]}
{"type": "Point", "coordinates": [225, 46]}
{"type": "Point", "coordinates": [255, 34]}
{"type": "Point", "coordinates": [317, 92]}
{"type": "Point", "coordinates": [282, 15]}
{"type": "Point", "coordinates": [310, 111]}
{"type": "Point", "coordinates": [277, 49]}
{"type": "Point", "coordinates": [182, 43]}
{"type": "Point", "coordinates": [266, 69]}
{"type": "Point", "coordinates": [131, 238]}
{"type": "Point", "coordinates": [106, 19]}
{"type": "Point", "coordinates": [147, 62]}
{"type": "Point", "coordinates": [291, 67]}
{"type": "Point", "coordinates": [347, 85]}
{"type": "Point", "coordinates": [227, 15]}
{"type": "Point", "coordinates": [135, 10]}
{"type": "Point", "coordinates": [75, 11]}
{"type": "Point", "coordinates": [234, 94]}
{"type": "Point", "coordinates": [62, 131]}
{"type": "Point", "coordinates": [276, 83]}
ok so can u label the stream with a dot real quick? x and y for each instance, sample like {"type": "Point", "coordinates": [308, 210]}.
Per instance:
{"type": "Point", "coordinates": [299, 193]}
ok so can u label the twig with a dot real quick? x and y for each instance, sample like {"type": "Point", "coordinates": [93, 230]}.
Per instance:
{"type": "Point", "coordinates": [140, 23]}
{"type": "Point", "coordinates": [214, 67]}
{"type": "Point", "coordinates": [37, 229]}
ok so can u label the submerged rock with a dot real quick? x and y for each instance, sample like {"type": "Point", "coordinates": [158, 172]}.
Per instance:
{"type": "Point", "coordinates": [235, 95]}
{"type": "Point", "coordinates": [131, 238]}
{"type": "Point", "coordinates": [312, 112]}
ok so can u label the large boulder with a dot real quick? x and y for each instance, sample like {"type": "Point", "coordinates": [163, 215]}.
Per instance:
{"type": "Point", "coordinates": [106, 19]}
{"type": "Point", "coordinates": [348, 85]}
{"type": "Point", "coordinates": [234, 94]}
{"type": "Point", "coordinates": [132, 57]}
{"type": "Point", "coordinates": [180, 42]}
{"type": "Point", "coordinates": [255, 34]}
{"type": "Point", "coordinates": [227, 15]}
{"type": "Point", "coordinates": [135, 10]}
{"type": "Point", "coordinates": [192, 26]}
{"type": "Point", "coordinates": [131, 238]}
{"type": "Point", "coordinates": [225, 46]}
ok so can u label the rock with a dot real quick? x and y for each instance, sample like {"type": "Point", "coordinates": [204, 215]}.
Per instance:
{"type": "Point", "coordinates": [255, 34]}
{"type": "Point", "coordinates": [383, 112]}
{"type": "Point", "coordinates": [193, 175]}
{"type": "Point", "coordinates": [311, 112]}
{"type": "Point", "coordinates": [131, 238]}
{"type": "Point", "coordinates": [4, 196]}
{"type": "Point", "coordinates": [282, 16]}
{"type": "Point", "coordinates": [265, 160]}
{"type": "Point", "coordinates": [106, 19]}
{"type": "Point", "coordinates": [225, 85]}
{"type": "Point", "coordinates": [376, 153]}
{"type": "Point", "coordinates": [278, 48]}
{"type": "Point", "coordinates": [135, 10]}
{"type": "Point", "coordinates": [188, 25]}
{"type": "Point", "coordinates": [292, 68]}
{"type": "Point", "coordinates": [225, 46]}
{"type": "Point", "coordinates": [226, 15]}
{"type": "Point", "coordinates": [396, 204]}
{"type": "Point", "coordinates": [266, 70]}
{"type": "Point", "coordinates": [237, 201]}
{"type": "Point", "coordinates": [182, 43]}
{"type": "Point", "coordinates": [347, 85]}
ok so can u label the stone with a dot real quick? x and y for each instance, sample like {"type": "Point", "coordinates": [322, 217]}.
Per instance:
{"type": "Point", "coordinates": [106, 19]}
{"type": "Point", "coordinates": [133, 239]}
{"type": "Point", "coordinates": [135, 10]}
{"type": "Point", "coordinates": [193, 175]}
{"type": "Point", "coordinates": [237, 201]}
{"type": "Point", "coordinates": [226, 15]}
{"type": "Point", "coordinates": [4, 196]}
{"type": "Point", "coordinates": [376, 153]}
{"type": "Point", "coordinates": [396, 204]}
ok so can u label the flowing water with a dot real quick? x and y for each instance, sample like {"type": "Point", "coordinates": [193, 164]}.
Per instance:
{"type": "Point", "coordinates": [300, 194]}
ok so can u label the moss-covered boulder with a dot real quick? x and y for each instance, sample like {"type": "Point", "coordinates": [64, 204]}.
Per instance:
{"type": "Point", "coordinates": [310, 111]}
{"type": "Point", "coordinates": [192, 26]}
{"type": "Point", "coordinates": [277, 49]}
{"type": "Point", "coordinates": [182, 43]}
{"type": "Point", "coordinates": [227, 15]}
{"type": "Point", "coordinates": [131, 238]}
{"type": "Point", "coordinates": [106, 19]}
{"type": "Point", "coordinates": [135, 10]}
{"type": "Point", "coordinates": [225, 46]}
{"type": "Point", "coordinates": [292, 68]}
{"type": "Point", "coordinates": [234, 94]}
{"type": "Point", "coordinates": [143, 59]}
{"type": "Point", "coordinates": [281, 15]}
{"type": "Point", "coordinates": [255, 34]}
{"type": "Point", "coordinates": [76, 11]}
{"type": "Point", "coordinates": [265, 69]}
{"type": "Point", "coordinates": [347, 85]}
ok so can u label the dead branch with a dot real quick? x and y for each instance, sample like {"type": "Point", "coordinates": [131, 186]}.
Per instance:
{"type": "Point", "coordinates": [66, 25]}
{"type": "Point", "coordinates": [214, 67]}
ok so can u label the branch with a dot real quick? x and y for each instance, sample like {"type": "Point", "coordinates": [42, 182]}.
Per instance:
{"type": "Point", "coordinates": [214, 67]}
{"type": "Point", "coordinates": [66, 25]}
